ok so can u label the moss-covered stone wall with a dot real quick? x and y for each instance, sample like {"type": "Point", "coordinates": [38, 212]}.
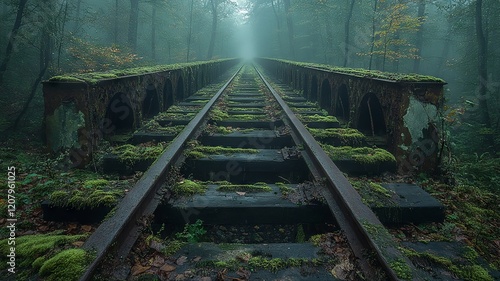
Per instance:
{"type": "Point", "coordinates": [409, 104]}
{"type": "Point", "coordinates": [111, 102]}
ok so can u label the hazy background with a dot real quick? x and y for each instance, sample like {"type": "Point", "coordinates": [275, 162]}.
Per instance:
{"type": "Point", "coordinates": [439, 38]}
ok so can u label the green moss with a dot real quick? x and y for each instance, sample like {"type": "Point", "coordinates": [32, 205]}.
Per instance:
{"type": "Point", "coordinates": [82, 199]}
{"type": "Point", "coordinates": [360, 72]}
{"type": "Point", "coordinates": [316, 239]}
{"type": "Point", "coordinates": [166, 116]}
{"type": "Point", "coordinates": [284, 189]}
{"type": "Point", "coordinates": [469, 272]}
{"type": "Point", "coordinates": [247, 117]}
{"type": "Point", "coordinates": [31, 250]}
{"type": "Point", "coordinates": [365, 155]}
{"type": "Point", "coordinates": [173, 246]}
{"type": "Point", "coordinates": [95, 77]}
{"type": "Point", "coordinates": [351, 137]}
{"type": "Point", "coordinates": [380, 189]}
{"type": "Point", "coordinates": [317, 118]}
{"type": "Point", "coordinates": [401, 268]}
{"type": "Point", "coordinates": [65, 266]}
{"type": "Point", "coordinates": [256, 187]}
{"type": "Point", "coordinates": [130, 153]}
{"type": "Point", "coordinates": [218, 115]}
{"type": "Point", "coordinates": [155, 127]}
{"type": "Point", "coordinates": [62, 78]}
{"type": "Point", "coordinates": [202, 151]}
{"type": "Point", "coordinates": [95, 183]}
{"type": "Point", "coordinates": [189, 187]}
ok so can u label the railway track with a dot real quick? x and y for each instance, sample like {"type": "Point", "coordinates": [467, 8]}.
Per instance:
{"type": "Point", "coordinates": [243, 156]}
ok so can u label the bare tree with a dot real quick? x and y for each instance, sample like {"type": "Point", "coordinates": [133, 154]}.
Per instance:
{"type": "Point", "coordinates": [10, 44]}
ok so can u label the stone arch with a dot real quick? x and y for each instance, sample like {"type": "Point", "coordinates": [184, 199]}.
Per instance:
{"type": "Point", "coordinates": [168, 95]}
{"type": "Point", "coordinates": [371, 116]}
{"type": "Point", "coordinates": [326, 95]}
{"type": "Point", "coordinates": [179, 94]}
{"type": "Point", "coordinates": [314, 89]}
{"type": "Point", "coordinates": [151, 103]}
{"type": "Point", "coordinates": [119, 114]}
{"type": "Point", "coordinates": [342, 105]}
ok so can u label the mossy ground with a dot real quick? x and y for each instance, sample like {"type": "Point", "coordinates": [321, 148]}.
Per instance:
{"type": "Point", "coordinates": [33, 252]}
{"type": "Point", "coordinates": [152, 126]}
{"type": "Point", "coordinates": [129, 153]}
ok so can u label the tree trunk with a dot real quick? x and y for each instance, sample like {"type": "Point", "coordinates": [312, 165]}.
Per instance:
{"type": "Point", "coordinates": [289, 24]}
{"type": "Point", "coordinates": [347, 32]}
{"type": "Point", "coordinates": [133, 23]}
{"type": "Point", "coordinates": [115, 35]}
{"type": "Point", "coordinates": [61, 38]}
{"type": "Point", "coordinates": [12, 38]}
{"type": "Point", "coordinates": [213, 4]}
{"type": "Point", "coordinates": [278, 26]}
{"type": "Point", "coordinates": [76, 25]}
{"type": "Point", "coordinates": [373, 33]}
{"type": "Point", "coordinates": [420, 36]}
{"type": "Point", "coordinates": [190, 30]}
{"type": "Point", "coordinates": [482, 66]}
{"type": "Point", "coordinates": [45, 58]}
{"type": "Point", "coordinates": [153, 31]}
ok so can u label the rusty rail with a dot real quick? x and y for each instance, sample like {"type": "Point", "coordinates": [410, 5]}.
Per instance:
{"type": "Point", "coordinates": [123, 228]}
{"type": "Point", "coordinates": [361, 226]}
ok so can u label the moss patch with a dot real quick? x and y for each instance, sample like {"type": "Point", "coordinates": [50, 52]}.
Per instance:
{"type": "Point", "coordinates": [256, 187]}
{"type": "Point", "coordinates": [365, 155]}
{"type": "Point", "coordinates": [33, 250]}
{"type": "Point", "coordinates": [317, 118]}
{"type": "Point", "coordinates": [344, 136]}
{"type": "Point", "coordinates": [95, 77]}
{"type": "Point", "coordinates": [67, 265]}
{"type": "Point", "coordinates": [152, 126]}
{"type": "Point", "coordinates": [189, 187]}
{"type": "Point", "coordinates": [469, 271]}
{"type": "Point", "coordinates": [83, 199]}
{"type": "Point", "coordinates": [365, 73]}
{"type": "Point", "coordinates": [202, 151]}
{"type": "Point", "coordinates": [130, 153]}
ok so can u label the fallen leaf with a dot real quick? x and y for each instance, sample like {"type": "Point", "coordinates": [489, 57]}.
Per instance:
{"type": "Point", "coordinates": [158, 261]}
{"type": "Point", "coordinates": [243, 273]}
{"type": "Point", "coordinates": [43, 228]}
{"type": "Point", "coordinates": [181, 260]}
{"type": "Point", "coordinates": [241, 193]}
{"type": "Point", "coordinates": [168, 268]}
{"type": "Point", "coordinates": [138, 269]}
{"type": "Point", "coordinates": [86, 228]}
{"type": "Point", "coordinates": [78, 243]}
{"type": "Point", "coordinates": [72, 226]}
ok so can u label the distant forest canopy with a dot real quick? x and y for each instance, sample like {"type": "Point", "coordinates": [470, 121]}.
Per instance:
{"type": "Point", "coordinates": [453, 39]}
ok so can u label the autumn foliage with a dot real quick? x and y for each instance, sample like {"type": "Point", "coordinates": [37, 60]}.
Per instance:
{"type": "Point", "coordinates": [88, 57]}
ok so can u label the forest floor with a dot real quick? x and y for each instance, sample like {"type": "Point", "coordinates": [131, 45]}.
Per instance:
{"type": "Point", "coordinates": [468, 189]}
